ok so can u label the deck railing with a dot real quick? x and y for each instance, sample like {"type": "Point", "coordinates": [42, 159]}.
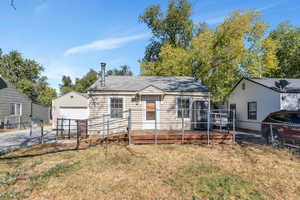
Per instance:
{"type": "Point", "coordinates": [205, 120]}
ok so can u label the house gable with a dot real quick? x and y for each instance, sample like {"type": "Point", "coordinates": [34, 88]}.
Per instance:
{"type": "Point", "coordinates": [246, 91]}
{"type": "Point", "coordinates": [151, 90]}
{"type": "Point", "coordinates": [71, 99]}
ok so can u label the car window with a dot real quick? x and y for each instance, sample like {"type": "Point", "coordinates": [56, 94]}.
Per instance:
{"type": "Point", "coordinates": [280, 117]}
{"type": "Point", "coordinates": [295, 118]}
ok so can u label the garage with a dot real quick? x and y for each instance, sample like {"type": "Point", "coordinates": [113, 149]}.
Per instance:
{"type": "Point", "coordinates": [73, 105]}
{"type": "Point", "coordinates": [73, 112]}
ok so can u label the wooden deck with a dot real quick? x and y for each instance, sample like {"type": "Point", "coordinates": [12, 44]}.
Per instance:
{"type": "Point", "coordinates": [173, 137]}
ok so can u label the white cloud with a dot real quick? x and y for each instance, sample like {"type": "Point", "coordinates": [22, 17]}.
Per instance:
{"type": "Point", "coordinates": [106, 44]}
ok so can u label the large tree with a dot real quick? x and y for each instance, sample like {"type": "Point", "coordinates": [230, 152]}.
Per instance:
{"type": "Point", "coordinates": [221, 56]}
{"type": "Point", "coordinates": [25, 74]}
{"type": "Point", "coordinates": [288, 53]}
{"type": "Point", "coordinates": [234, 49]}
{"type": "Point", "coordinates": [175, 27]}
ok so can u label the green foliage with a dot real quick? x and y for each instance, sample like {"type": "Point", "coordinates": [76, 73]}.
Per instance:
{"type": "Point", "coordinates": [81, 85]}
{"type": "Point", "coordinates": [47, 95]}
{"type": "Point", "coordinates": [25, 74]}
{"type": "Point", "coordinates": [173, 62]}
{"type": "Point", "coordinates": [221, 56]}
{"type": "Point", "coordinates": [234, 49]}
{"type": "Point", "coordinates": [123, 71]}
{"type": "Point", "coordinates": [288, 53]}
{"type": "Point", "coordinates": [66, 86]}
{"type": "Point", "coordinates": [174, 27]}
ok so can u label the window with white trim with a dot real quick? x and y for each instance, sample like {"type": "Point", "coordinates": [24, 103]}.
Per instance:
{"type": "Point", "coordinates": [183, 107]}
{"type": "Point", "coordinates": [116, 107]}
{"type": "Point", "coordinates": [252, 110]}
{"type": "Point", "coordinates": [15, 109]}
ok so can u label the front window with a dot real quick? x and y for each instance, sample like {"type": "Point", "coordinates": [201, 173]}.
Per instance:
{"type": "Point", "coordinates": [183, 107]}
{"type": "Point", "coordinates": [150, 110]}
{"type": "Point", "coordinates": [116, 107]}
{"type": "Point", "coordinates": [15, 109]}
{"type": "Point", "coordinates": [252, 110]}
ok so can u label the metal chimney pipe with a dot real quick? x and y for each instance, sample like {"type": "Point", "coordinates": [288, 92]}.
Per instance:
{"type": "Point", "coordinates": [103, 65]}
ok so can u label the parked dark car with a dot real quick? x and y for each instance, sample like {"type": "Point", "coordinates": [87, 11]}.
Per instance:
{"type": "Point", "coordinates": [285, 126]}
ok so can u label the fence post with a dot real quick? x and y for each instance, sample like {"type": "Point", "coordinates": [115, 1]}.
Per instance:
{"type": "Point", "coordinates": [78, 127]}
{"type": "Point", "coordinates": [129, 126]}
{"type": "Point", "coordinates": [42, 132]}
{"type": "Point", "coordinates": [57, 125]}
{"type": "Point", "coordinates": [233, 126]}
{"type": "Point", "coordinates": [208, 119]}
{"type": "Point", "coordinates": [61, 126]}
{"type": "Point", "coordinates": [182, 125]}
{"type": "Point", "coordinates": [86, 128]}
{"type": "Point", "coordinates": [271, 131]}
{"type": "Point", "coordinates": [30, 132]}
{"type": "Point", "coordinates": [69, 131]}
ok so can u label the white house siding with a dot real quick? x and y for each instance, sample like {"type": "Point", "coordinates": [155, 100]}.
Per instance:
{"type": "Point", "coordinates": [71, 100]}
{"type": "Point", "coordinates": [267, 101]}
{"type": "Point", "coordinates": [290, 101]}
{"type": "Point", "coordinates": [99, 111]}
{"type": "Point", "coordinates": [166, 105]}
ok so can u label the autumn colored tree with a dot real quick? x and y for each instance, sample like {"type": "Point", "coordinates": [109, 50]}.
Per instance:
{"type": "Point", "coordinates": [219, 57]}
{"type": "Point", "coordinates": [288, 51]}
{"type": "Point", "coordinates": [174, 27]}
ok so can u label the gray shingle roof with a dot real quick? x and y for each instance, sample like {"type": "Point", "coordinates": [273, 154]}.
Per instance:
{"type": "Point", "coordinates": [136, 83]}
{"type": "Point", "coordinates": [292, 87]}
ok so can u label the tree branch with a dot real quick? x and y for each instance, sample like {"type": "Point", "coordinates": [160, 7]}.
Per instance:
{"type": "Point", "coordinates": [12, 4]}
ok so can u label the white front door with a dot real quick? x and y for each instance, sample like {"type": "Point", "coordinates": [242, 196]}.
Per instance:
{"type": "Point", "coordinates": [151, 114]}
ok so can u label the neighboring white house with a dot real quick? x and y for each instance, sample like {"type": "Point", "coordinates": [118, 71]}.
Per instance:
{"type": "Point", "coordinates": [254, 99]}
{"type": "Point", "coordinates": [72, 105]}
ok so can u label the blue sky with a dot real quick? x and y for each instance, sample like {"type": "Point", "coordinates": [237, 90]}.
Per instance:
{"type": "Point", "coordinates": [68, 37]}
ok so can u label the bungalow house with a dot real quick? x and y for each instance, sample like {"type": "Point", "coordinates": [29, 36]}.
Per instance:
{"type": "Point", "coordinates": [156, 102]}
{"type": "Point", "coordinates": [16, 108]}
{"type": "Point", "coordinates": [254, 99]}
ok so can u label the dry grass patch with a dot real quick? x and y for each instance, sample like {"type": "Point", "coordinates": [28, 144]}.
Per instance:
{"type": "Point", "coordinates": [152, 172]}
